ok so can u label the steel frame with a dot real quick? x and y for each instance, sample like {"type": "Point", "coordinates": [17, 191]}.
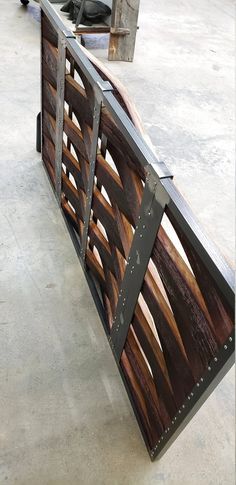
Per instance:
{"type": "Point", "coordinates": [158, 192]}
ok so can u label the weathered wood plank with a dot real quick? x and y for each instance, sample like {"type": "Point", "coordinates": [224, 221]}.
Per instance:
{"type": "Point", "coordinates": [125, 16]}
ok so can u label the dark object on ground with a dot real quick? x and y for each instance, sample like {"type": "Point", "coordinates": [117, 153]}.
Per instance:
{"type": "Point", "coordinates": [94, 12]}
{"type": "Point", "coordinates": [24, 2]}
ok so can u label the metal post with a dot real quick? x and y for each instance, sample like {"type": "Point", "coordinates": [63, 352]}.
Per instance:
{"type": "Point", "coordinates": [38, 132]}
{"type": "Point", "coordinates": [105, 86]}
{"type": "Point", "coordinates": [61, 71]}
{"type": "Point", "coordinates": [61, 68]}
{"type": "Point", "coordinates": [152, 209]}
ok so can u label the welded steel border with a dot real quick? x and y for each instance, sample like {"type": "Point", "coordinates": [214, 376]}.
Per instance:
{"type": "Point", "coordinates": [218, 269]}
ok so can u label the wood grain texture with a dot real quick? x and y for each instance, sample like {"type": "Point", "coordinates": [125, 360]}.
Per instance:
{"type": "Point", "coordinates": [124, 15]}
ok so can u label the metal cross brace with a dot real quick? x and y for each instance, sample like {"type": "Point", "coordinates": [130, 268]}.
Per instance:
{"type": "Point", "coordinates": [155, 199]}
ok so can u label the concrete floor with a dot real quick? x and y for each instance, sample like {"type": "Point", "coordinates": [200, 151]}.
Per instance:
{"type": "Point", "coordinates": [65, 416]}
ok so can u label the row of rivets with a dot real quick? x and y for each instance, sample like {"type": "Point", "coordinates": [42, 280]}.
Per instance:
{"type": "Point", "coordinates": [183, 406]}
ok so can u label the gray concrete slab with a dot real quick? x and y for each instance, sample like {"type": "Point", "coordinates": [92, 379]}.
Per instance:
{"type": "Point", "coordinates": [65, 416]}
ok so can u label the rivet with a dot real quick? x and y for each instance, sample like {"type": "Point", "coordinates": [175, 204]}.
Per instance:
{"type": "Point", "coordinates": [141, 235]}
{"type": "Point", "coordinates": [225, 347]}
{"type": "Point", "coordinates": [215, 359]}
{"type": "Point", "coordinates": [198, 384]}
{"type": "Point", "coordinates": [162, 438]}
{"type": "Point", "coordinates": [201, 379]}
{"type": "Point", "coordinates": [209, 368]}
{"type": "Point", "coordinates": [144, 227]}
{"type": "Point", "coordinates": [139, 217]}
{"type": "Point", "coordinates": [183, 406]}
{"type": "Point", "coordinates": [173, 422]}
{"type": "Point", "coordinates": [189, 398]}
{"type": "Point", "coordinates": [230, 339]}
{"type": "Point", "coordinates": [192, 394]}
{"type": "Point", "coordinates": [175, 418]}
{"type": "Point", "coordinates": [166, 431]}
{"type": "Point", "coordinates": [136, 227]}
{"type": "Point", "coordinates": [179, 411]}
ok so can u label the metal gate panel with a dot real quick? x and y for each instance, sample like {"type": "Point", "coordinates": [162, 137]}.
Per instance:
{"type": "Point", "coordinates": [164, 294]}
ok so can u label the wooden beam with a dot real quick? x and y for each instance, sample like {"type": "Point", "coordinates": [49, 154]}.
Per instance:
{"type": "Point", "coordinates": [124, 19]}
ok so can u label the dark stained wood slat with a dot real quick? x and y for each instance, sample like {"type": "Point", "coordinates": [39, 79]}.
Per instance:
{"type": "Point", "coordinates": [179, 371]}
{"type": "Point", "coordinates": [113, 186]}
{"type": "Point", "coordinates": [73, 218]}
{"type": "Point", "coordinates": [49, 126]}
{"type": "Point", "coordinates": [50, 58]}
{"type": "Point", "coordinates": [96, 269]}
{"type": "Point", "coordinates": [222, 316]}
{"type": "Point", "coordinates": [49, 32]}
{"type": "Point", "coordinates": [98, 240]}
{"type": "Point", "coordinates": [49, 98]}
{"type": "Point", "coordinates": [104, 212]}
{"type": "Point", "coordinates": [72, 195]}
{"type": "Point", "coordinates": [75, 136]}
{"type": "Point", "coordinates": [76, 96]}
{"type": "Point", "coordinates": [73, 167]}
{"type": "Point", "coordinates": [147, 388]}
{"type": "Point", "coordinates": [156, 361]}
{"type": "Point", "coordinates": [49, 149]}
{"type": "Point", "coordinates": [200, 345]}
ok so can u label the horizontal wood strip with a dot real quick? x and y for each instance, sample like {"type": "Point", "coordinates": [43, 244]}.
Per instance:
{"type": "Point", "coordinates": [48, 31]}
{"type": "Point", "coordinates": [73, 196]}
{"type": "Point", "coordinates": [50, 58]}
{"type": "Point", "coordinates": [113, 186]}
{"type": "Point", "coordinates": [73, 167]}
{"type": "Point", "coordinates": [222, 317]}
{"type": "Point", "coordinates": [102, 245]}
{"type": "Point", "coordinates": [200, 345]}
{"type": "Point", "coordinates": [49, 149]}
{"type": "Point", "coordinates": [71, 216]}
{"type": "Point", "coordinates": [49, 169]}
{"type": "Point", "coordinates": [75, 96]}
{"type": "Point", "coordinates": [179, 371]}
{"type": "Point", "coordinates": [104, 212]}
{"type": "Point", "coordinates": [96, 269]}
{"type": "Point", "coordinates": [75, 135]}
{"type": "Point", "coordinates": [49, 98]}
{"type": "Point", "coordinates": [49, 126]}
{"type": "Point", "coordinates": [156, 361]}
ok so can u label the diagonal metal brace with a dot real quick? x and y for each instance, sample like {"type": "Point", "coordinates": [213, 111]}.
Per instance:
{"type": "Point", "coordinates": [152, 209]}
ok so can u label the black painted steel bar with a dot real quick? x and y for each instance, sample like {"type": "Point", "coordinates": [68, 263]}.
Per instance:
{"type": "Point", "coordinates": [152, 209]}
{"type": "Point", "coordinates": [104, 86]}
{"type": "Point", "coordinates": [61, 69]}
